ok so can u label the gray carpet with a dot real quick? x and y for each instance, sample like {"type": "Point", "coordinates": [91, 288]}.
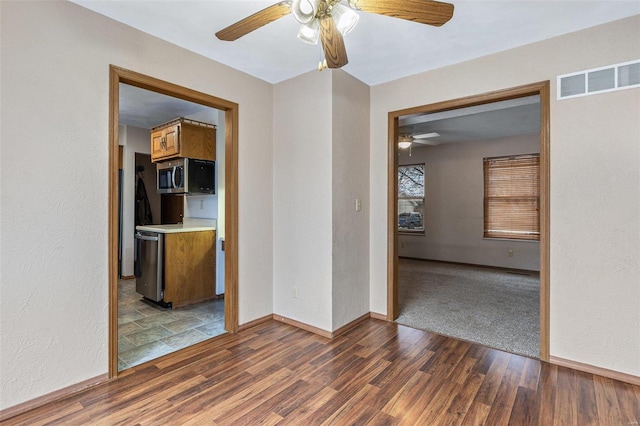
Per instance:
{"type": "Point", "coordinates": [491, 307]}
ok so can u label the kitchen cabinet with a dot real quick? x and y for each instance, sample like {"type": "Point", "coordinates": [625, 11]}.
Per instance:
{"type": "Point", "coordinates": [183, 138]}
{"type": "Point", "coordinates": [189, 267]}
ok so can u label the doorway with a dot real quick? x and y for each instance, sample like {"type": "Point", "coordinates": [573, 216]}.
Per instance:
{"type": "Point", "coordinates": [230, 226]}
{"type": "Point", "coordinates": [538, 89]}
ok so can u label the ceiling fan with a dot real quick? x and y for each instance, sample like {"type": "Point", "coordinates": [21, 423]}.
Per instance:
{"type": "Point", "coordinates": [405, 140]}
{"type": "Point", "coordinates": [329, 20]}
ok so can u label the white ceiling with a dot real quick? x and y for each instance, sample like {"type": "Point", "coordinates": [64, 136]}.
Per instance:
{"type": "Point", "coordinates": [380, 49]}
{"type": "Point", "coordinates": [146, 109]}
{"type": "Point", "coordinates": [496, 120]}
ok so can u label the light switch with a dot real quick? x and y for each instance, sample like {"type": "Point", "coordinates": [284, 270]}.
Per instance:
{"type": "Point", "coordinates": [358, 205]}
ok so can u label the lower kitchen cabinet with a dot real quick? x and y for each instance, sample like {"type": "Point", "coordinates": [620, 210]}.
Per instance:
{"type": "Point", "coordinates": [189, 267]}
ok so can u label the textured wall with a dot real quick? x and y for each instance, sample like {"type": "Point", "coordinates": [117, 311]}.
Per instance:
{"type": "Point", "coordinates": [350, 164]}
{"type": "Point", "coordinates": [302, 199]}
{"type": "Point", "coordinates": [55, 60]}
{"type": "Point", "coordinates": [454, 205]}
{"type": "Point", "coordinates": [595, 185]}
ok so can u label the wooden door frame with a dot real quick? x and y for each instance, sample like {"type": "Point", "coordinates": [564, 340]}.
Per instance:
{"type": "Point", "coordinates": [541, 89]}
{"type": "Point", "coordinates": [119, 75]}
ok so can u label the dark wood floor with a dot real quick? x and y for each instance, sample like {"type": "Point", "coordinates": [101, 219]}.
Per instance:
{"type": "Point", "coordinates": [378, 373]}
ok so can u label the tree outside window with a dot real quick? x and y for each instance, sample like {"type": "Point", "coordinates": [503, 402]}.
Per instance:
{"type": "Point", "coordinates": [411, 198]}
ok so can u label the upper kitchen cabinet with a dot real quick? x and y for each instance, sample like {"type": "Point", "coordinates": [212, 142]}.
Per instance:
{"type": "Point", "coordinates": [183, 138]}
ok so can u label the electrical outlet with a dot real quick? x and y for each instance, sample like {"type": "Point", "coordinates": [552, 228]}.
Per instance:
{"type": "Point", "coordinates": [201, 204]}
{"type": "Point", "coordinates": [295, 292]}
{"type": "Point", "coordinates": [510, 253]}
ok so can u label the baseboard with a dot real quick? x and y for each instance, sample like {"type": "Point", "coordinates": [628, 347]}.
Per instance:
{"type": "Point", "coordinates": [255, 322]}
{"type": "Point", "coordinates": [375, 315]}
{"type": "Point", "coordinates": [320, 331]}
{"type": "Point", "coordinates": [475, 265]}
{"type": "Point", "coordinates": [592, 369]}
{"type": "Point", "coordinates": [303, 326]}
{"type": "Point", "coordinates": [127, 277]}
{"type": "Point", "coordinates": [356, 322]}
{"type": "Point", "coordinates": [23, 407]}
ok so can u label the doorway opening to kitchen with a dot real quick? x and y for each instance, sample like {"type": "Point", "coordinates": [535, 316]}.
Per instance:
{"type": "Point", "coordinates": [173, 279]}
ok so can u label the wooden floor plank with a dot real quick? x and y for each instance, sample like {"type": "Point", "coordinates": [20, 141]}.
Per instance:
{"type": "Point", "coordinates": [607, 401]}
{"type": "Point", "coordinates": [503, 404]}
{"type": "Point", "coordinates": [377, 373]}
{"type": "Point", "coordinates": [546, 392]}
{"type": "Point", "coordinates": [628, 402]}
{"type": "Point", "coordinates": [526, 408]}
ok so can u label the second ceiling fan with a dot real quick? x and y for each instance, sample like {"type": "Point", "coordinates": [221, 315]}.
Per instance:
{"type": "Point", "coordinates": [329, 20]}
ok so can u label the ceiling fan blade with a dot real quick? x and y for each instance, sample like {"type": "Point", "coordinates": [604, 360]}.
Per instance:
{"type": "Point", "coordinates": [425, 142]}
{"type": "Point", "coordinates": [255, 21]}
{"type": "Point", "coordinates": [333, 44]}
{"type": "Point", "coordinates": [428, 12]}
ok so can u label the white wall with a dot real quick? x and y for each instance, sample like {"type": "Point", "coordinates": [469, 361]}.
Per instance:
{"type": "Point", "coordinates": [454, 209]}
{"type": "Point", "coordinates": [53, 292]}
{"type": "Point", "coordinates": [133, 139]}
{"type": "Point", "coordinates": [321, 157]}
{"type": "Point", "coordinates": [595, 186]}
{"type": "Point", "coordinates": [302, 199]}
{"type": "Point", "coordinates": [350, 164]}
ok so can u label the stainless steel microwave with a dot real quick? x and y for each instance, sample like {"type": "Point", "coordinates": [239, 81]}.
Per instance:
{"type": "Point", "coordinates": [186, 176]}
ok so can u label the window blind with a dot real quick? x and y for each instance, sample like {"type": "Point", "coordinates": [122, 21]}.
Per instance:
{"type": "Point", "coordinates": [512, 197]}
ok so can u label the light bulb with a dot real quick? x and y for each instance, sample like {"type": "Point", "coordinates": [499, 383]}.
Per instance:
{"type": "Point", "coordinates": [310, 32]}
{"type": "Point", "coordinates": [345, 18]}
{"type": "Point", "coordinates": [404, 144]}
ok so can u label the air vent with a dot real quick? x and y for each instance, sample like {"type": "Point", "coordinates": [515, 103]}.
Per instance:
{"type": "Point", "coordinates": [599, 80]}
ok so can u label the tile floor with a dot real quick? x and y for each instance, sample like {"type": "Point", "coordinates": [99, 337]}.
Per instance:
{"type": "Point", "coordinates": [147, 331]}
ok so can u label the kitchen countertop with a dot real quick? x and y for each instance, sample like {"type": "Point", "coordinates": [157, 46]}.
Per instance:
{"type": "Point", "coordinates": [174, 228]}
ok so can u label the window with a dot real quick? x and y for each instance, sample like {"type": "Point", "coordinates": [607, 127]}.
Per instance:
{"type": "Point", "coordinates": [512, 197]}
{"type": "Point", "coordinates": [411, 198]}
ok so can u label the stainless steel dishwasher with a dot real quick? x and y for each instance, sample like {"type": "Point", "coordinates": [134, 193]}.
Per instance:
{"type": "Point", "coordinates": [150, 265]}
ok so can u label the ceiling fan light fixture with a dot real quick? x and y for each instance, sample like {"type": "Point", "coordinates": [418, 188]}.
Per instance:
{"type": "Point", "coordinates": [404, 141]}
{"type": "Point", "coordinates": [304, 16]}
{"type": "Point", "coordinates": [310, 32]}
{"type": "Point", "coordinates": [345, 18]}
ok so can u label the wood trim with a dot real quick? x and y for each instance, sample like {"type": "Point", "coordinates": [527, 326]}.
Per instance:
{"type": "Point", "coordinates": [231, 220]}
{"type": "Point", "coordinates": [473, 100]}
{"type": "Point", "coordinates": [255, 322]}
{"type": "Point", "coordinates": [592, 369]}
{"type": "Point", "coordinates": [543, 90]}
{"type": "Point", "coordinates": [160, 86]}
{"type": "Point", "coordinates": [114, 147]}
{"type": "Point", "coordinates": [311, 328]}
{"type": "Point", "coordinates": [545, 235]}
{"type": "Point", "coordinates": [348, 326]}
{"type": "Point", "coordinates": [119, 75]}
{"type": "Point", "coordinates": [18, 409]}
{"type": "Point", "coordinates": [393, 309]}
{"type": "Point", "coordinates": [303, 326]}
{"type": "Point", "coordinates": [378, 316]}
{"type": "Point", "coordinates": [127, 277]}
